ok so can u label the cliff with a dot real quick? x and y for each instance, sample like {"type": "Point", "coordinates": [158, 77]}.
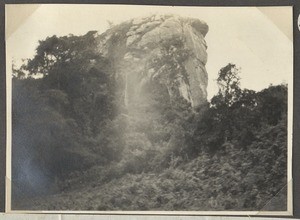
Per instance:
{"type": "Point", "coordinates": [119, 132]}
{"type": "Point", "coordinates": [165, 49]}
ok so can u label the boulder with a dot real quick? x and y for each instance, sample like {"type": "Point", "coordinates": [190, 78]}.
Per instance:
{"type": "Point", "coordinates": [167, 49]}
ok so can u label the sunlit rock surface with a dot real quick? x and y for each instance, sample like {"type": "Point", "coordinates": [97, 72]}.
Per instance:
{"type": "Point", "coordinates": [166, 48]}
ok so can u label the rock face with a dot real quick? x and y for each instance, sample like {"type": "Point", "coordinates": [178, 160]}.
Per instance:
{"type": "Point", "coordinates": [166, 49]}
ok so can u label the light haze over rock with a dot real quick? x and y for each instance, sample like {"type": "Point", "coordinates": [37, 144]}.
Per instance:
{"type": "Point", "coordinates": [167, 48]}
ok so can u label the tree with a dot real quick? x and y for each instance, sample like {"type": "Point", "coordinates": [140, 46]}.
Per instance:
{"type": "Point", "coordinates": [18, 72]}
{"type": "Point", "coordinates": [59, 58]}
{"type": "Point", "coordinates": [229, 85]}
{"type": "Point", "coordinates": [272, 103]}
{"type": "Point", "coordinates": [65, 115]}
{"type": "Point", "coordinates": [224, 102]}
{"type": "Point", "coordinates": [54, 51]}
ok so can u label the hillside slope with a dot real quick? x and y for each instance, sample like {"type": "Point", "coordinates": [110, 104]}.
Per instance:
{"type": "Point", "coordinates": [121, 121]}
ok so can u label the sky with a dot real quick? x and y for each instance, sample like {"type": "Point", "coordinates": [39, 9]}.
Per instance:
{"type": "Point", "coordinates": [258, 40]}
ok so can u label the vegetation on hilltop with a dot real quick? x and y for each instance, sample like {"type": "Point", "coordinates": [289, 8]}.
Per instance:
{"type": "Point", "coordinates": [76, 147]}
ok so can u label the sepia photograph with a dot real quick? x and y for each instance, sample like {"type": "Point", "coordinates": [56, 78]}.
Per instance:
{"type": "Point", "coordinates": [149, 109]}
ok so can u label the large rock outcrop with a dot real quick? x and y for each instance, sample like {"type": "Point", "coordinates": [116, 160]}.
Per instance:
{"type": "Point", "coordinates": [168, 49]}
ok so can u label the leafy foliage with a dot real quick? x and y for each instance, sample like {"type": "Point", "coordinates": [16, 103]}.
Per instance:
{"type": "Point", "coordinates": [73, 135]}
{"type": "Point", "coordinates": [58, 118]}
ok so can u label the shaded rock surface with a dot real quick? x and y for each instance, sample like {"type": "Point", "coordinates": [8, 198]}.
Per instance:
{"type": "Point", "coordinates": [167, 49]}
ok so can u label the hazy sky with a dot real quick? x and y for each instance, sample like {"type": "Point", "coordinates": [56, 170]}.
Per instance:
{"type": "Point", "coordinates": [241, 35]}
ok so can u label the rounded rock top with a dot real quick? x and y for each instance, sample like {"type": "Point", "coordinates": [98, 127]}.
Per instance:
{"type": "Point", "coordinates": [198, 24]}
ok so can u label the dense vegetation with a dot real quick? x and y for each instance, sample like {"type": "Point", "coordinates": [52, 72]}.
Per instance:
{"type": "Point", "coordinates": [77, 146]}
